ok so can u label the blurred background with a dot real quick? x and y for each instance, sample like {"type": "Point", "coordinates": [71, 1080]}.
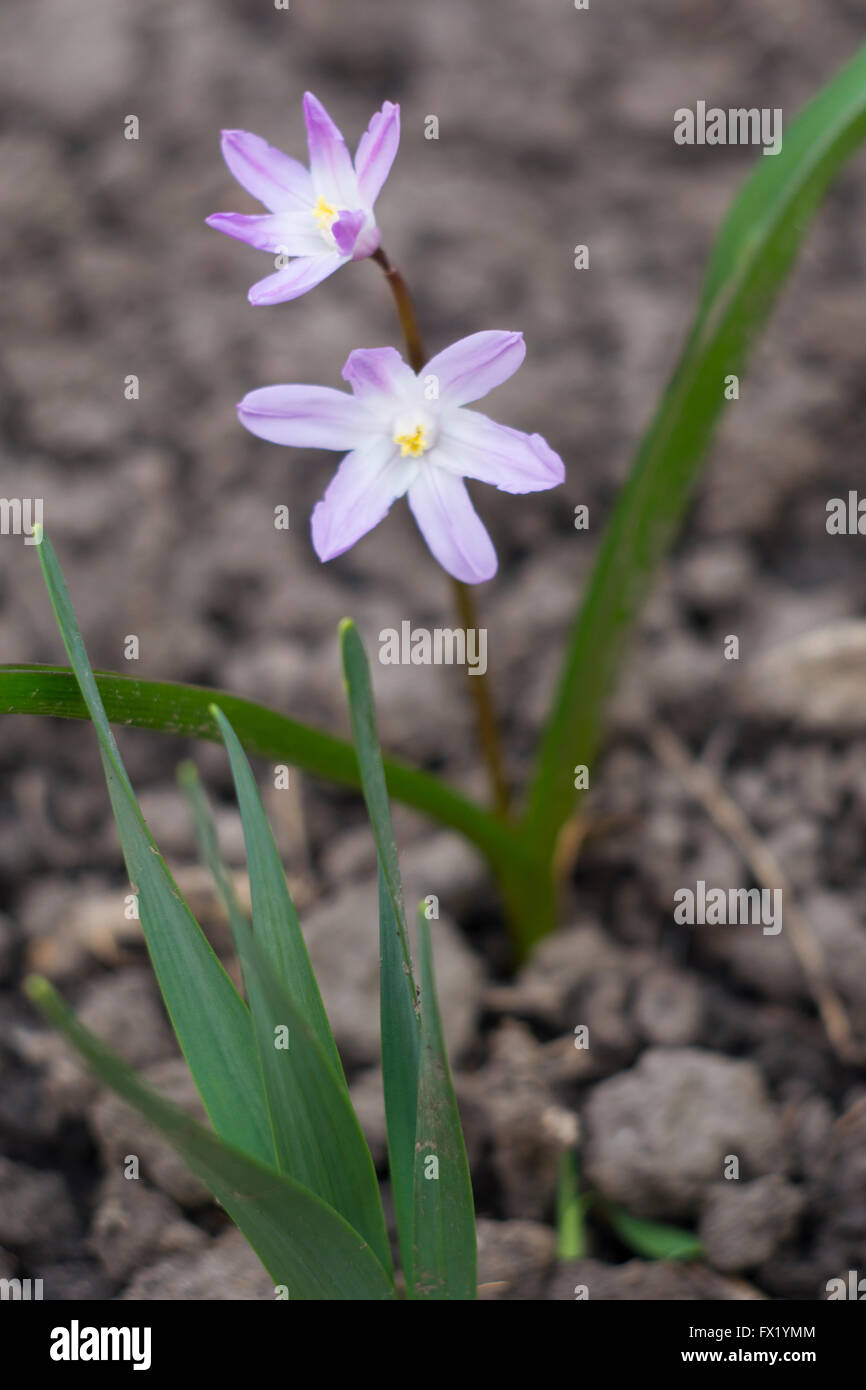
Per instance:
{"type": "Point", "coordinates": [555, 129]}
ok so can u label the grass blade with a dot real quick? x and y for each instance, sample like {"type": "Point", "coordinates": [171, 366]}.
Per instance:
{"type": "Point", "coordinates": [362, 713]}
{"type": "Point", "coordinates": [275, 921]}
{"type": "Point", "coordinates": [653, 1239]}
{"type": "Point", "coordinates": [400, 1047]}
{"type": "Point", "coordinates": [301, 1241]}
{"type": "Point", "coordinates": [570, 1208]}
{"type": "Point", "coordinates": [397, 991]}
{"type": "Point", "coordinates": [754, 252]}
{"type": "Point", "coordinates": [317, 1137]}
{"type": "Point", "coordinates": [445, 1241]}
{"type": "Point", "coordinates": [212, 1023]}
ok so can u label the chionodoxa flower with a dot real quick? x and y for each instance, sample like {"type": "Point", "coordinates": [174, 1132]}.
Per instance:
{"type": "Point", "coordinates": [410, 435]}
{"type": "Point", "coordinates": [319, 218]}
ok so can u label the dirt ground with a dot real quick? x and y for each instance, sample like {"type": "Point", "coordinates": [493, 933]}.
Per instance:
{"type": "Point", "coordinates": [556, 129]}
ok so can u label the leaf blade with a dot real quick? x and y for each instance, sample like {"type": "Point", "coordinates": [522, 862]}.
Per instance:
{"type": "Point", "coordinates": [301, 1242]}
{"type": "Point", "coordinates": [445, 1240]}
{"type": "Point", "coordinates": [398, 1023]}
{"type": "Point", "coordinates": [177, 708]}
{"type": "Point", "coordinates": [654, 1240]}
{"type": "Point", "coordinates": [275, 921]}
{"type": "Point", "coordinates": [356, 670]}
{"type": "Point", "coordinates": [398, 997]}
{"type": "Point", "coordinates": [210, 1019]}
{"type": "Point", "coordinates": [755, 249]}
{"type": "Point", "coordinates": [317, 1138]}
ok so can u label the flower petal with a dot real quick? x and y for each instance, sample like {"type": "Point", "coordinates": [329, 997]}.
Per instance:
{"type": "Point", "coordinates": [330, 161]}
{"type": "Point", "coordinates": [345, 230]}
{"type": "Point", "coordinates": [473, 366]}
{"type": "Point", "coordinates": [289, 234]}
{"type": "Point", "coordinates": [376, 150]}
{"type": "Point", "coordinates": [298, 277]}
{"type": "Point", "coordinates": [451, 526]}
{"type": "Point", "coordinates": [380, 373]}
{"type": "Point", "coordinates": [308, 417]}
{"type": "Point", "coordinates": [358, 497]}
{"type": "Point", "coordinates": [475, 446]}
{"type": "Point", "coordinates": [278, 181]}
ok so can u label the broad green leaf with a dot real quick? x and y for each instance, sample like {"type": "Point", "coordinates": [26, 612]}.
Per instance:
{"type": "Point", "coordinates": [275, 921]}
{"type": "Point", "coordinates": [653, 1239]}
{"type": "Point", "coordinates": [185, 710]}
{"type": "Point", "coordinates": [317, 1137]}
{"type": "Point", "coordinates": [304, 1245]}
{"type": "Point", "coordinates": [755, 250]}
{"type": "Point", "coordinates": [212, 1023]}
{"type": "Point", "coordinates": [400, 1046]}
{"type": "Point", "coordinates": [445, 1241]}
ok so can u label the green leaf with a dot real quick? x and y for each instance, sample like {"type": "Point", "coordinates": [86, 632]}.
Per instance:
{"type": "Point", "coordinates": [653, 1239]}
{"type": "Point", "coordinates": [398, 1020]}
{"type": "Point", "coordinates": [210, 1019]}
{"type": "Point", "coordinates": [445, 1241]}
{"type": "Point", "coordinates": [754, 252]}
{"type": "Point", "coordinates": [185, 710]}
{"type": "Point", "coordinates": [275, 921]}
{"type": "Point", "coordinates": [362, 713]}
{"type": "Point", "coordinates": [208, 843]}
{"type": "Point", "coordinates": [317, 1137]}
{"type": "Point", "coordinates": [301, 1241]}
{"type": "Point", "coordinates": [398, 1005]}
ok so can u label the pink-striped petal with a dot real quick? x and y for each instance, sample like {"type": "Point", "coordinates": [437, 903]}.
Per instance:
{"type": "Point", "coordinates": [376, 151]}
{"type": "Point", "coordinates": [468, 369]}
{"type": "Point", "coordinates": [358, 497]}
{"type": "Point", "coordinates": [308, 417]}
{"type": "Point", "coordinates": [450, 525]}
{"type": "Point", "coordinates": [380, 373]}
{"type": "Point", "coordinates": [330, 161]}
{"type": "Point", "coordinates": [473, 445]}
{"type": "Point", "coordinates": [298, 277]}
{"type": "Point", "coordinates": [278, 181]}
{"type": "Point", "coordinates": [288, 234]}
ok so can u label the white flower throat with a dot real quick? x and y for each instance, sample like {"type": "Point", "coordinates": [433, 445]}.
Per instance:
{"type": "Point", "coordinates": [324, 216]}
{"type": "Point", "coordinates": [415, 432]}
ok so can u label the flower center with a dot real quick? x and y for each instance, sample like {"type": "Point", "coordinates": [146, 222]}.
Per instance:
{"type": "Point", "coordinates": [324, 214]}
{"type": "Point", "coordinates": [413, 443]}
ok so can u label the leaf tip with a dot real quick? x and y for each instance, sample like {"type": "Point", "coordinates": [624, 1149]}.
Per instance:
{"type": "Point", "coordinates": [37, 989]}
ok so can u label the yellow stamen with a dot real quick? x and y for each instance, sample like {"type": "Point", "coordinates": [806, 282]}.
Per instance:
{"type": "Point", "coordinates": [415, 443]}
{"type": "Point", "coordinates": [324, 215]}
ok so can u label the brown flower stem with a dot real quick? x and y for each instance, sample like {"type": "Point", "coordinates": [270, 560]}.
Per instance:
{"type": "Point", "coordinates": [405, 311]}
{"type": "Point", "coordinates": [485, 713]}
